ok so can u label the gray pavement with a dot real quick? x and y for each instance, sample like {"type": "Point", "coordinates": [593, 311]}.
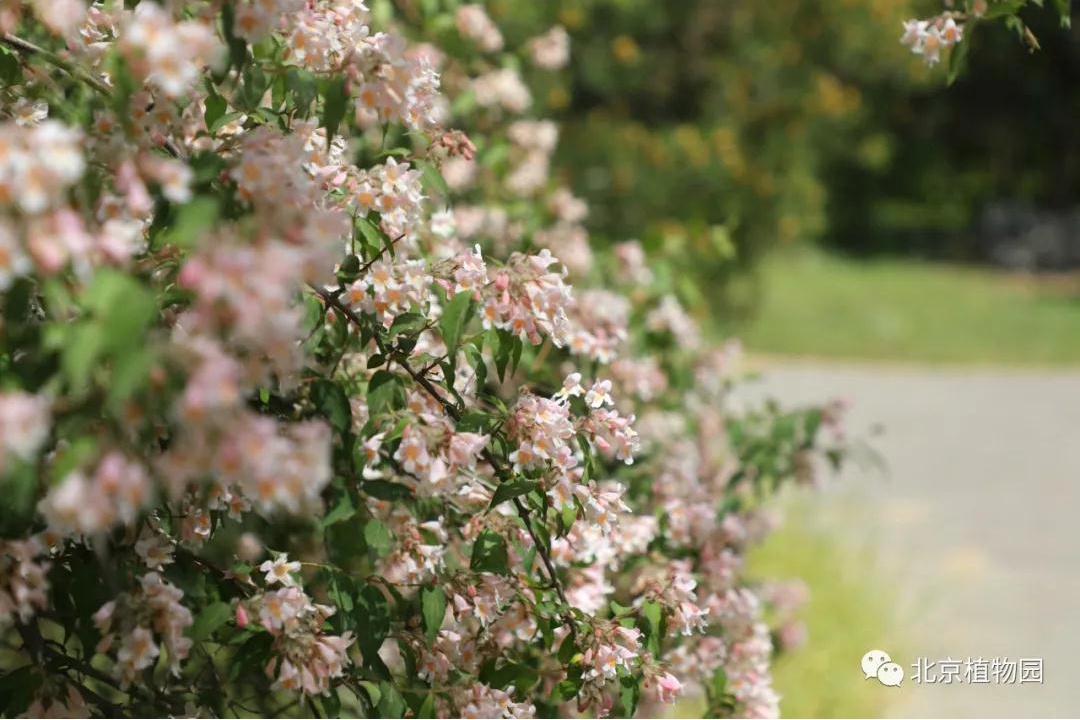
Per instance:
{"type": "Point", "coordinates": [976, 521]}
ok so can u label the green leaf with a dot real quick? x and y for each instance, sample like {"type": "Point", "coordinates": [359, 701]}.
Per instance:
{"type": "Point", "coordinates": [124, 307]}
{"type": "Point", "coordinates": [427, 708]}
{"type": "Point", "coordinates": [131, 372]}
{"type": "Point", "coordinates": [433, 609]}
{"type": "Point", "coordinates": [80, 353]}
{"type": "Point", "coordinates": [10, 68]}
{"type": "Point", "coordinates": [335, 98]}
{"type": "Point", "coordinates": [370, 231]}
{"type": "Point", "coordinates": [1001, 8]}
{"type": "Point", "coordinates": [212, 617]}
{"type": "Point", "coordinates": [651, 624]}
{"type": "Point", "coordinates": [958, 60]}
{"type": "Point", "coordinates": [372, 690]}
{"type": "Point", "coordinates": [378, 537]}
{"type": "Point", "coordinates": [432, 178]}
{"type": "Point", "coordinates": [503, 347]}
{"type": "Point", "coordinates": [18, 688]}
{"type": "Point", "coordinates": [567, 518]}
{"type": "Point", "coordinates": [192, 221]}
{"type": "Point", "coordinates": [17, 300]}
{"type": "Point", "coordinates": [330, 399]}
{"type": "Point", "coordinates": [512, 489]}
{"type": "Point", "coordinates": [385, 490]}
{"type": "Point", "coordinates": [718, 685]}
{"type": "Point", "coordinates": [452, 324]}
{"type": "Point", "coordinates": [252, 654]}
{"type": "Point", "coordinates": [489, 554]}
{"type": "Point", "coordinates": [350, 269]}
{"type": "Point", "coordinates": [385, 392]}
{"type": "Point", "coordinates": [207, 167]}
{"type": "Point", "coordinates": [237, 46]}
{"type": "Point", "coordinates": [479, 366]}
{"type": "Point", "coordinates": [409, 322]}
{"type": "Point", "coordinates": [478, 422]}
{"type": "Point", "coordinates": [18, 496]}
{"type": "Point", "coordinates": [1064, 12]}
{"type": "Point", "coordinates": [569, 688]}
{"type": "Point", "coordinates": [508, 347]}
{"type": "Point", "coordinates": [215, 108]}
{"type": "Point", "coordinates": [123, 87]}
{"type": "Point", "coordinates": [222, 120]}
{"type": "Point", "coordinates": [343, 510]}
{"type": "Point", "coordinates": [372, 614]}
{"type": "Point", "coordinates": [79, 452]}
{"type": "Point", "coordinates": [331, 704]}
{"type": "Point", "coordinates": [391, 704]}
{"type": "Point", "coordinates": [301, 84]}
{"type": "Point", "coordinates": [567, 650]}
{"type": "Point", "coordinates": [629, 693]}
{"type": "Point", "coordinates": [278, 89]}
{"type": "Point", "coordinates": [388, 244]}
{"type": "Point", "coordinates": [522, 677]}
{"type": "Point", "coordinates": [716, 694]}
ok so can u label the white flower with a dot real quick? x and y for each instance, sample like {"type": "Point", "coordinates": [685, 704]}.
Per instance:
{"type": "Point", "coordinates": [279, 570]}
{"type": "Point", "coordinates": [138, 651]}
{"type": "Point", "coordinates": [951, 33]}
{"type": "Point", "coordinates": [473, 23]}
{"type": "Point", "coordinates": [27, 112]}
{"type": "Point", "coordinates": [154, 551]}
{"type": "Point", "coordinates": [599, 394]}
{"type": "Point", "coordinates": [551, 51]}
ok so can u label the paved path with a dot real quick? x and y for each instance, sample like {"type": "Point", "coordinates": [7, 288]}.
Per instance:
{"type": "Point", "coordinates": [977, 518]}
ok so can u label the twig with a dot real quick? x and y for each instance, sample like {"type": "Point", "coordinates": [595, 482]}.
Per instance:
{"type": "Point", "coordinates": [75, 70]}
{"type": "Point", "coordinates": [28, 48]}
{"type": "Point", "coordinates": [378, 256]}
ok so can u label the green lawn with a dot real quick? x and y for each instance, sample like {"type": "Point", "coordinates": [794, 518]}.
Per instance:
{"type": "Point", "coordinates": [816, 304]}
{"type": "Point", "coordinates": [850, 612]}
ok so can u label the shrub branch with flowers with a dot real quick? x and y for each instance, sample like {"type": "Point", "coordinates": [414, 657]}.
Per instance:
{"type": "Point", "coordinates": [943, 34]}
{"type": "Point", "coordinates": [315, 400]}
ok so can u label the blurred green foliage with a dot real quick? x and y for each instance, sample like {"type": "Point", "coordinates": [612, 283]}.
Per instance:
{"type": "Point", "coordinates": [703, 127]}
{"type": "Point", "coordinates": [931, 157]}
{"type": "Point", "coordinates": [714, 130]}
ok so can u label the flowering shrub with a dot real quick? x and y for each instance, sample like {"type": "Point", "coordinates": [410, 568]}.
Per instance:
{"type": "Point", "coordinates": [943, 33]}
{"type": "Point", "coordinates": [315, 399]}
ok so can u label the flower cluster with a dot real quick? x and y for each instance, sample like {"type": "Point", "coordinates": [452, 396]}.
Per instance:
{"type": "Point", "coordinates": [527, 298]}
{"type": "Point", "coordinates": [38, 163]}
{"type": "Point", "coordinates": [24, 588]}
{"type": "Point", "coordinates": [24, 427]}
{"type": "Point", "coordinates": [304, 658]}
{"type": "Point", "coordinates": [929, 38]}
{"type": "Point", "coordinates": [473, 23]}
{"type": "Point", "coordinates": [88, 503]}
{"type": "Point", "coordinates": [135, 623]}
{"type": "Point", "coordinates": [167, 54]}
{"type": "Point", "coordinates": [281, 280]}
{"type": "Point", "coordinates": [551, 51]}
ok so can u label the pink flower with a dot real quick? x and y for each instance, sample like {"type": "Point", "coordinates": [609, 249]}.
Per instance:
{"type": "Point", "coordinates": [668, 688]}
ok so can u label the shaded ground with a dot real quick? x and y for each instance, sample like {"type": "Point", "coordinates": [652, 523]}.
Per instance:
{"type": "Point", "coordinates": [975, 525]}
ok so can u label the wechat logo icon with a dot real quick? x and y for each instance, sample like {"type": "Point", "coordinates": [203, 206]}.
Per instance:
{"type": "Point", "coordinates": [878, 664]}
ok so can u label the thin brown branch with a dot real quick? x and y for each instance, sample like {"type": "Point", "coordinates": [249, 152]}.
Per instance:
{"type": "Point", "coordinates": [30, 49]}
